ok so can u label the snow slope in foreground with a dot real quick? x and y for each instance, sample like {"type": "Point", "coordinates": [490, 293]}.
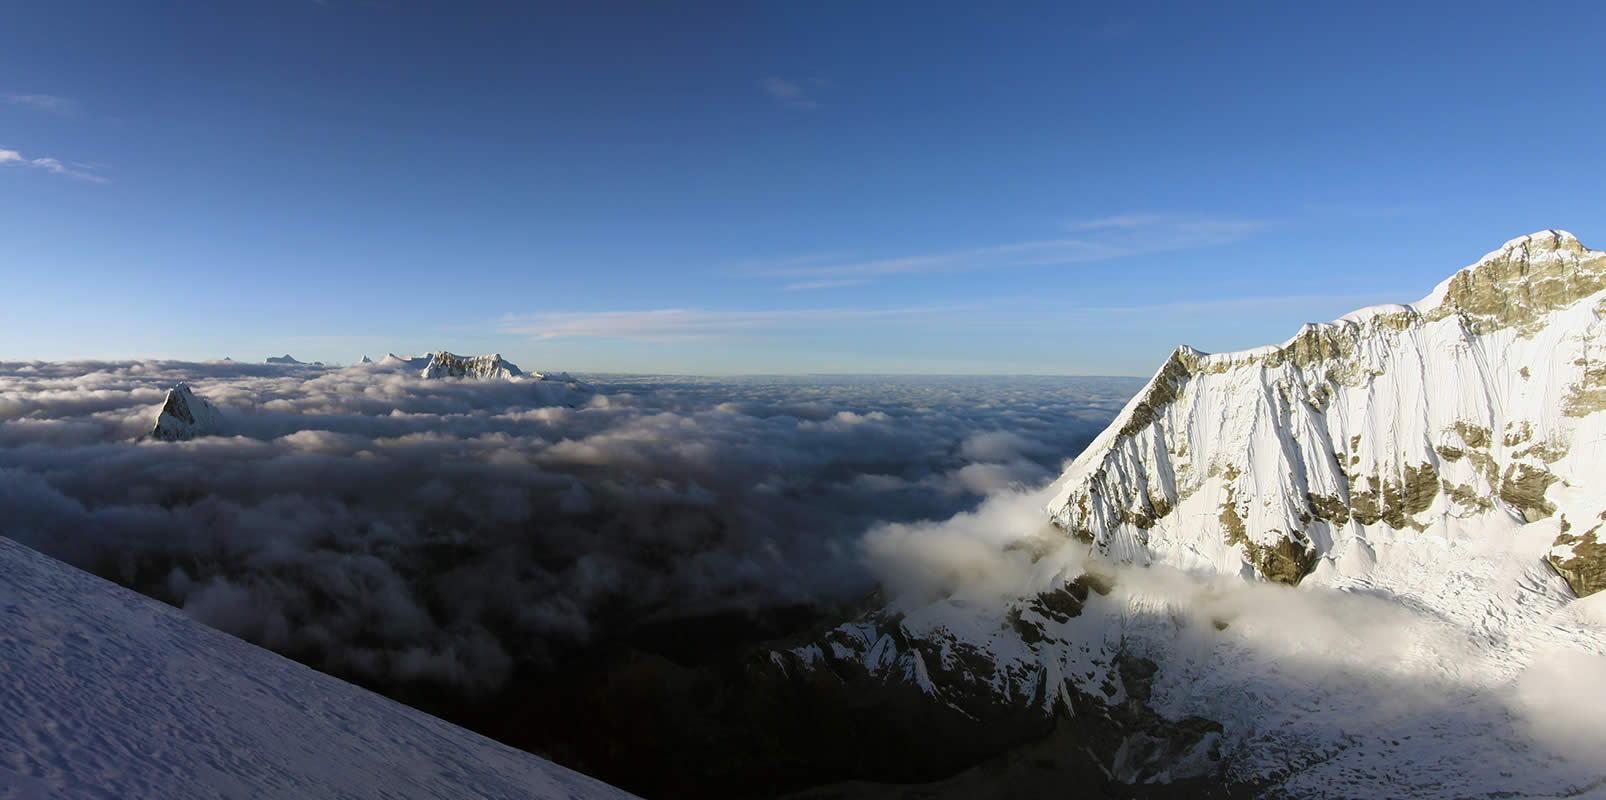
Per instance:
{"type": "Point", "coordinates": [106, 693]}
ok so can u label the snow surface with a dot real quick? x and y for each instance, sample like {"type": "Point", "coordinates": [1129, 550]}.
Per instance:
{"type": "Point", "coordinates": [105, 693]}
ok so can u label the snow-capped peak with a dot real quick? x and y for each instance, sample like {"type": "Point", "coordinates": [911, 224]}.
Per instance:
{"type": "Point", "coordinates": [1280, 461]}
{"type": "Point", "coordinates": [1428, 474]}
{"type": "Point", "coordinates": [186, 415]}
{"type": "Point", "coordinates": [447, 365]}
{"type": "Point", "coordinates": [284, 359]}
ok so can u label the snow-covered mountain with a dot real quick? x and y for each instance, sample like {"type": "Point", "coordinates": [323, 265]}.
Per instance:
{"type": "Point", "coordinates": [111, 694]}
{"type": "Point", "coordinates": [447, 365]}
{"type": "Point", "coordinates": [443, 364]}
{"type": "Point", "coordinates": [1475, 404]}
{"type": "Point", "coordinates": [284, 359]}
{"type": "Point", "coordinates": [186, 415]}
{"type": "Point", "coordinates": [1344, 566]}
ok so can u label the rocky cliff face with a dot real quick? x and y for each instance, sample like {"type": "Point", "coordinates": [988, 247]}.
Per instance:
{"type": "Point", "coordinates": [1478, 401]}
{"type": "Point", "coordinates": [185, 415]}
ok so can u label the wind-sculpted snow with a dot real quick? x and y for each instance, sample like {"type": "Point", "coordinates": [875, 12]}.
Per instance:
{"type": "Point", "coordinates": [110, 694]}
{"type": "Point", "coordinates": [385, 526]}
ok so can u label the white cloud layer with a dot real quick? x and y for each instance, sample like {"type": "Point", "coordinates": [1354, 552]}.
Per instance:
{"type": "Point", "coordinates": [387, 527]}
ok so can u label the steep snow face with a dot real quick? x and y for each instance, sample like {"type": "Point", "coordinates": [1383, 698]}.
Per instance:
{"type": "Point", "coordinates": [447, 365]}
{"type": "Point", "coordinates": [111, 694]}
{"type": "Point", "coordinates": [186, 415]}
{"type": "Point", "coordinates": [1476, 405]}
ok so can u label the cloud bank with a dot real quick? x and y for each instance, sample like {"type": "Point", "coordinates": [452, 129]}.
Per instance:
{"type": "Point", "coordinates": [384, 526]}
{"type": "Point", "coordinates": [1356, 685]}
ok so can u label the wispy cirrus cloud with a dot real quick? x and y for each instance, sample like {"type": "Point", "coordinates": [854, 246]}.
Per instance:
{"type": "Point", "coordinates": [791, 93]}
{"type": "Point", "coordinates": [1325, 307]}
{"type": "Point", "coordinates": [42, 102]}
{"type": "Point", "coordinates": [1048, 251]}
{"type": "Point", "coordinates": [12, 158]}
{"type": "Point", "coordinates": [1177, 230]}
{"type": "Point", "coordinates": [1095, 240]}
{"type": "Point", "coordinates": [677, 324]}
{"type": "Point", "coordinates": [801, 286]}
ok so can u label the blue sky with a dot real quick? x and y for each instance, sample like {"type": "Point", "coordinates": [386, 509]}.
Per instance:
{"type": "Point", "coordinates": [809, 187]}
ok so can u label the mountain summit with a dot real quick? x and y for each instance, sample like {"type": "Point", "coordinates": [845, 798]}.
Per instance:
{"type": "Point", "coordinates": [447, 365]}
{"type": "Point", "coordinates": [186, 415]}
{"type": "Point", "coordinates": [1355, 564]}
{"type": "Point", "coordinates": [1476, 403]}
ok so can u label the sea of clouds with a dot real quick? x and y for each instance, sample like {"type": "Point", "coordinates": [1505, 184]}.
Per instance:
{"type": "Point", "coordinates": [385, 526]}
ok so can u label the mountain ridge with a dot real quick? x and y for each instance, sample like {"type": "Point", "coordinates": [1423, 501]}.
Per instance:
{"type": "Point", "coordinates": [1273, 565]}
{"type": "Point", "coordinates": [449, 365]}
{"type": "Point", "coordinates": [1436, 453]}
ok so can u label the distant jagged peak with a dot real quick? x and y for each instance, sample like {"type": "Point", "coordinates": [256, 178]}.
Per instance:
{"type": "Point", "coordinates": [186, 415]}
{"type": "Point", "coordinates": [366, 360]}
{"type": "Point", "coordinates": [290, 361]}
{"type": "Point", "coordinates": [443, 364]}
